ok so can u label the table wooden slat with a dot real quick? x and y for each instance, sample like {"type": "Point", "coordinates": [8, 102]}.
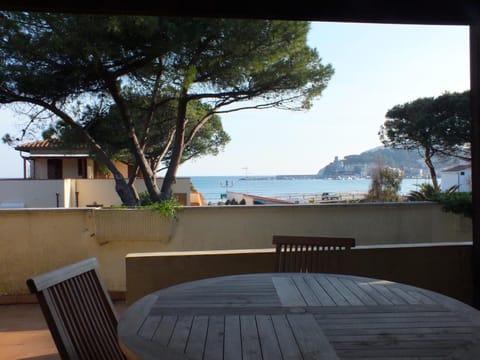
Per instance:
{"type": "Point", "coordinates": [250, 342]}
{"type": "Point", "coordinates": [287, 292]}
{"type": "Point", "coordinates": [328, 287]}
{"type": "Point", "coordinates": [364, 297]}
{"type": "Point", "coordinates": [312, 342]}
{"type": "Point", "coordinates": [233, 339]}
{"type": "Point", "coordinates": [214, 343]}
{"type": "Point", "coordinates": [374, 293]}
{"type": "Point", "coordinates": [319, 292]}
{"type": "Point", "coordinates": [286, 338]}
{"type": "Point", "coordinates": [164, 330]}
{"type": "Point", "coordinates": [268, 338]}
{"type": "Point", "coordinates": [198, 335]}
{"type": "Point", "coordinates": [178, 340]}
{"type": "Point", "coordinates": [344, 291]}
{"type": "Point", "coordinates": [384, 289]}
{"type": "Point", "coordinates": [306, 291]}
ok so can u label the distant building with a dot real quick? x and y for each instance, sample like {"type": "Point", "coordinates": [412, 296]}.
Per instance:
{"type": "Point", "coordinates": [459, 176]}
{"type": "Point", "coordinates": [51, 159]}
{"type": "Point", "coordinates": [66, 177]}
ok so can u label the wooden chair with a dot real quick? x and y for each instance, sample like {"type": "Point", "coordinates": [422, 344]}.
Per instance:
{"type": "Point", "coordinates": [78, 311]}
{"type": "Point", "coordinates": [307, 253]}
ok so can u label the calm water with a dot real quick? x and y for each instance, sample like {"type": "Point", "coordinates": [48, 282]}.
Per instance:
{"type": "Point", "coordinates": [213, 186]}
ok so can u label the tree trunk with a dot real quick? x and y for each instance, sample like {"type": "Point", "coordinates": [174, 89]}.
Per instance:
{"type": "Point", "coordinates": [126, 192]}
{"type": "Point", "coordinates": [137, 148]}
{"type": "Point", "coordinates": [177, 150]}
{"type": "Point", "coordinates": [431, 168]}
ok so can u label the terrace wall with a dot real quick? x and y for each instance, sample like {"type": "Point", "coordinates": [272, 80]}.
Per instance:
{"type": "Point", "coordinates": [441, 267]}
{"type": "Point", "coordinates": [33, 241]}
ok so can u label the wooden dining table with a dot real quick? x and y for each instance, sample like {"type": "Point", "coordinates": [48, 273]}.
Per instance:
{"type": "Point", "coordinates": [298, 316]}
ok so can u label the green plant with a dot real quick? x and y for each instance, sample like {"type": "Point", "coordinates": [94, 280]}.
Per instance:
{"type": "Point", "coordinates": [425, 192]}
{"type": "Point", "coordinates": [455, 202]}
{"type": "Point", "coordinates": [385, 185]}
{"type": "Point", "coordinates": [167, 208]}
{"type": "Point", "coordinates": [451, 201]}
{"type": "Point", "coordinates": [144, 198]}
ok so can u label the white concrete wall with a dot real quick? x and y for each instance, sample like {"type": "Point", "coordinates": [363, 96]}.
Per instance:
{"type": "Point", "coordinates": [42, 193]}
{"type": "Point", "coordinates": [31, 193]}
{"type": "Point", "coordinates": [450, 179]}
{"type": "Point", "coordinates": [102, 191]}
{"type": "Point", "coordinates": [95, 192]}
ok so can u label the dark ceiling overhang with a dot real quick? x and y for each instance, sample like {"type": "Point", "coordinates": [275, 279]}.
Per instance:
{"type": "Point", "coordinates": [463, 12]}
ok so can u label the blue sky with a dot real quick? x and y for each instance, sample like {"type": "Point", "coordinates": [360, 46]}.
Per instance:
{"type": "Point", "coordinates": [377, 66]}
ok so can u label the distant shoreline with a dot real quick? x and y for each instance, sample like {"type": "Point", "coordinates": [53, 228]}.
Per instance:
{"type": "Point", "coordinates": [214, 187]}
{"type": "Point", "coordinates": [314, 177]}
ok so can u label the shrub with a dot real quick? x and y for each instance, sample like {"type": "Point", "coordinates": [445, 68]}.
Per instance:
{"type": "Point", "coordinates": [455, 202]}
{"type": "Point", "coordinates": [385, 185]}
{"type": "Point", "coordinates": [167, 208]}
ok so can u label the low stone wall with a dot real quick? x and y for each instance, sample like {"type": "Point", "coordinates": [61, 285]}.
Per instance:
{"type": "Point", "coordinates": [444, 268]}
{"type": "Point", "coordinates": [34, 241]}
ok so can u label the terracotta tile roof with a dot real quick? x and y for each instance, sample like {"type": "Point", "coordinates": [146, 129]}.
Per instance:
{"type": "Point", "coordinates": [52, 144]}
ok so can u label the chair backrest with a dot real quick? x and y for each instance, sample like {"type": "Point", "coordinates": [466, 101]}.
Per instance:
{"type": "Point", "coordinates": [78, 310]}
{"type": "Point", "coordinates": [307, 253]}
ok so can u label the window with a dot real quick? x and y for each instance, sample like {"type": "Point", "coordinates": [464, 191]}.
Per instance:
{"type": "Point", "coordinates": [82, 168]}
{"type": "Point", "coordinates": [54, 168]}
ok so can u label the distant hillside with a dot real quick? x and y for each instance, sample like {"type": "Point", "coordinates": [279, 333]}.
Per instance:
{"type": "Point", "coordinates": [410, 162]}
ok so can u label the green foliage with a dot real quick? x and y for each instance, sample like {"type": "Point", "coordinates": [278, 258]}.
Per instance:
{"type": "Point", "coordinates": [144, 198]}
{"type": "Point", "coordinates": [435, 126]}
{"type": "Point", "coordinates": [385, 185]}
{"type": "Point", "coordinates": [450, 199]}
{"type": "Point", "coordinates": [167, 208]}
{"type": "Point", "coordinates": [456, 202]}
{"type": "Point", "coordinates": [440, 124]}
{"type": "Point", "coordinates": [108, 130]}
{"type": "Point", "coordinates": [164, 79]}
{"type": "Point", "coordinates": [425, 192]}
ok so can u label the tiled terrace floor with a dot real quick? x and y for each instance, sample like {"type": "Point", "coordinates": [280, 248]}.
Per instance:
{"type": "Point", "coordinates": [24, 333]}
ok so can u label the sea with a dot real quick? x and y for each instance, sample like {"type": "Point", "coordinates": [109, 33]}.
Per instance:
{"type": "Point", "coordinates": [214, 188]}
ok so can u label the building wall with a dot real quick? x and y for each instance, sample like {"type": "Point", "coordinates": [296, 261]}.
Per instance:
{"type": "Point", "coordinates": [31, 193]}
{"type": "Point", "coordinates": [90, 192]}
{"type": "Point", "coordinates": [450, 179]}
{"type": "Point", "coordinates": [40, 169]}
{"type": "Point", "coordinates": [34, 241]}
{"type": "Point", "coordinates": [70, 168]}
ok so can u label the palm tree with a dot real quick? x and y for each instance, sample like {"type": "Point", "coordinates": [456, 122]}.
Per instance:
{"type": "Point", "coordinates": [427, 192]}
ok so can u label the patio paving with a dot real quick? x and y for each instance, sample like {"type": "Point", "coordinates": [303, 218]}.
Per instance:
{"type": "Point", "coordinates": [24, 333]}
